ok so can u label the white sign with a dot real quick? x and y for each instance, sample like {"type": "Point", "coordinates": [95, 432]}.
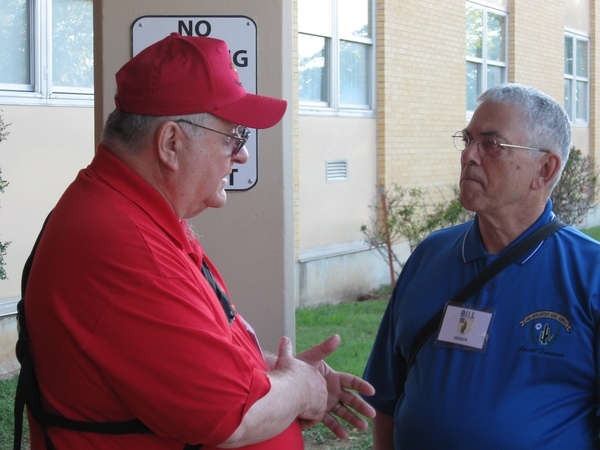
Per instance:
{"type": "Point", "coordinates": [239, 33]}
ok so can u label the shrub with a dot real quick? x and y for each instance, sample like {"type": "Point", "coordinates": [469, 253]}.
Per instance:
{"type": "Point", "coordinates": [410, 214]}
{"type": "Point", "coordinates": [574, 195]}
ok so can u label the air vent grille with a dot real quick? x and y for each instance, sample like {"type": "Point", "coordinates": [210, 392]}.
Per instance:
{"type": "Point", "coordinates": [336, 170]}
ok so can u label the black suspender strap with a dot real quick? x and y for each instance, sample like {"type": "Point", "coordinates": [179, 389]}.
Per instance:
{"type": "Point", "coordinates": [478, 282]}
{"type": "Point", "coordinates": [28, 389]}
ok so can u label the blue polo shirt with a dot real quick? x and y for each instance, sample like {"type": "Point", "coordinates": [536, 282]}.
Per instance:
{"type": "Point", "coordinates": [536, 384]}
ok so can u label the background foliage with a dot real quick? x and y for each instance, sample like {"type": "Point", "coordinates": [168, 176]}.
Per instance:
{"type": "Point", "coordinates": [574, 195]}
{"type": "Point", "coordinates": [409, 214]}
{"type": "Point", "coordinates": [3, 184]}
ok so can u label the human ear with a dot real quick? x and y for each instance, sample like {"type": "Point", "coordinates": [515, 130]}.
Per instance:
{"type": "Point", "coordinates": [548, 171]}
{"type": "Point", "coordinates": [169, 142]}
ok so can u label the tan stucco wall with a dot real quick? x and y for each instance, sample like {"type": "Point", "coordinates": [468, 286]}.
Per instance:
{"type": "Point", "coordinates": [333, 212]}
{"type": "Point", "coordinates": [45, 149]}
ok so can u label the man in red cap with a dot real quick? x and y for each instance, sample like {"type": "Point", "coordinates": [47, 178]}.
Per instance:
{"type": "Point", "coordinates": [129, 321]}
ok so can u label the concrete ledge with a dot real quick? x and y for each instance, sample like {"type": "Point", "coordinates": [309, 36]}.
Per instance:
{"type": "Point", "coordinates": [9, 365]}
{"type": "Point", "coordinates": [341, 273]}
{"type": "Point", "coordinates": [332, 251]}
{"type": "Point", "coordinates": [8, 307]}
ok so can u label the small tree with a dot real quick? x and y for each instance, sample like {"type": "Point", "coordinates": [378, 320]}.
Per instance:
{"type": "Point", "coordinates": [3, 184]}
{"type": "Point", "coordinates": [410, 214]}
{"type": "Point", "coordinates": [574, 195]}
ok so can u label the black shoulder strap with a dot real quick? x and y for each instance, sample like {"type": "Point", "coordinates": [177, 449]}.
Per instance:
{"type": "Point", "coordinates": [26, 379]}
{"type": "Point", "coordinates": [28, 389]}
{"type": "Point", "coordinates": [478, 282]}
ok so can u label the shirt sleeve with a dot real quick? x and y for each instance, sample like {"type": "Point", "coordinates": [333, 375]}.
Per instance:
{"type": "Point", "coordinates": [386, 368]}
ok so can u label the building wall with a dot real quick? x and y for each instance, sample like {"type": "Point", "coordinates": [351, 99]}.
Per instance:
{"type": "Point", "coordinates": [331, 213]}
{"type": "Point", "coordinates": [536, 45]}
{"type": "Point", "coordinates": [421, 91]}
{"type": "Point", "coordinates": [420, 103]}
{"type": "Point", "coordinates": [594, 131]}
{"type": "Point", "coordinates": [45, 149]}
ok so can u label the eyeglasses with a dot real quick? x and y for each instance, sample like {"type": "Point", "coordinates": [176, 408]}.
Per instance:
{"type": "Point", "coordinates": [487, 144]}
{"type": "Point", "coordinates": [241, 133]}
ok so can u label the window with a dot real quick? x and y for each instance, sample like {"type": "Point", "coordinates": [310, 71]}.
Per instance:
{"type": "Point", "coordinates": [577, 78]}
{"type": "Point", "coordinates": [46, 56]}
{"type": "Point", "coordinates": [486, 51]}
{"type": "Point", "coordinates": [335, 54]}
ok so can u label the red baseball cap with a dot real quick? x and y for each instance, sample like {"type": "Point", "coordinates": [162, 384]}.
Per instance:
{"type": "Point", "coordinates": [182, 75]}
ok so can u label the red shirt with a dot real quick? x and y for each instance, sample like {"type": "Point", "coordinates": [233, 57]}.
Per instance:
{"type": "Point", "coordinates": [123, 324]}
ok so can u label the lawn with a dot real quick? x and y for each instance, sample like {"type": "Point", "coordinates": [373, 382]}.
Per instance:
{"type": "Point", "coordinates": [7, 398]}
{"type": "Point", "coordinates": [593, 232]}
{"type": "Point", "coordinates": [357, 324]}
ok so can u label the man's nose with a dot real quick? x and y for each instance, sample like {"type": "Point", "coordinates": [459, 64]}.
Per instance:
{"type": "Point", "coordinates": [242, 156]}
{"type": "Point", "coordinates": [471, 153]}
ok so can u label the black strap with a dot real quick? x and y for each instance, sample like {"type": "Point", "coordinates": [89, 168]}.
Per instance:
{"type": "Point", "coordinates": [222, 296]}
{"type": "Point", "coordinates": [28, 389]}
{"type": "Point", "coordinates": [478, 282]}
{"type": "Point", "coordinates": [26, 378]}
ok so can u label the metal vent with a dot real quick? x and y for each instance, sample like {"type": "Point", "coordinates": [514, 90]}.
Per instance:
{"type": "Point", "coordinates": [336, 170]}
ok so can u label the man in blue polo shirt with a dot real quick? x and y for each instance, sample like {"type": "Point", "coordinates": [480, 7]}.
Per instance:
{"type": "Point", "coordinates": [516, 365]}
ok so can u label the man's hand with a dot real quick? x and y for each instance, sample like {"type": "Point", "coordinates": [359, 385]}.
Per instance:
{"type": "Point", "coordinates": [340, 401]}
{"type": "Point", "coordinates": [314, 395]}
{"type": "Point", "coordinates": [298, 392]}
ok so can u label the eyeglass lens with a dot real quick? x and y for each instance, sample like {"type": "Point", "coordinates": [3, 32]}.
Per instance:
{"type": "Point", "coordinates": [462, 141]}
{"type": "Point", "coordinates": [241, 133]}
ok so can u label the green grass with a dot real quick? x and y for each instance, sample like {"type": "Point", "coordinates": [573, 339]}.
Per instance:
{"type": "Point", "coordinates": [7, 399]}
{"type": "Point", "coordinates": [357, 324]}
{"type": "Point", "coordinates": [593, 232]}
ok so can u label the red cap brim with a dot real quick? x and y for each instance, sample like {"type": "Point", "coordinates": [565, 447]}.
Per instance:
{"type": "Point", "coordinates": [253, 111]}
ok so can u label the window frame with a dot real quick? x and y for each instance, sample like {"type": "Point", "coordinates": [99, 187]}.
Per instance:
{"type": "Point", "coordinates": [575, 78]}
{"type": "Point", "coordinates": [41, 91]}
{"type": "Point", "coordinates": [333, 105]}
{"type": "Point", "coordinates": [483, 62]}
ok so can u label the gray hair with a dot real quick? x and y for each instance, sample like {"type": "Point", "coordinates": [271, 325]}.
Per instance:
{"type": "Point", "coordinates": [548, 123]}
{"type": "Point", "coordinates": [133, 132]}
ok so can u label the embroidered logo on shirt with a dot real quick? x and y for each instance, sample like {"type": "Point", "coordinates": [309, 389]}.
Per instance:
{"type": "Point", "coordinates": [544, 330]}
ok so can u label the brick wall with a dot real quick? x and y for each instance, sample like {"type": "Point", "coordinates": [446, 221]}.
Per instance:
{"type": "Point", "coordinates": [536, 45]}
{"type": "Point", "coordinates": [421, 91]}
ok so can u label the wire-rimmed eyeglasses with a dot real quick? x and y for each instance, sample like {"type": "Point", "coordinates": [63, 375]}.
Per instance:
{"type": "Point", "coordinates": [241, 133]}
{"type": "Point", "coordinates": [487, 144]}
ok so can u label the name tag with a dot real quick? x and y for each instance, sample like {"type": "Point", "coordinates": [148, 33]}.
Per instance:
{"type": "Point", "coordinates": [465, 327]}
